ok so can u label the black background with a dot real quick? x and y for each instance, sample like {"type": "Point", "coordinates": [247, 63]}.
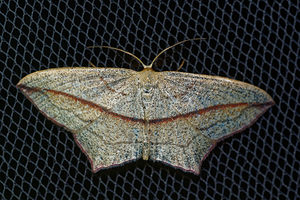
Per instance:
{"type": "Point", "coordinates": [253, 41]}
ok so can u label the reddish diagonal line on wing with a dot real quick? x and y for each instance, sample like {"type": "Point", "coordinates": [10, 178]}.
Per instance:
{"type": "Point", "coordinates": [29, 90]}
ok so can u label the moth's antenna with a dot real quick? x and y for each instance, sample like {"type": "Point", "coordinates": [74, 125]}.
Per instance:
{"type": "Point", "coordinates": [92, 64]}
{"type": "Point", "coordinates": [172, 47]}
{"type": "Point", "coordinates": [108, 47]}
{"type": "Point", "coordinates": [182, 63]}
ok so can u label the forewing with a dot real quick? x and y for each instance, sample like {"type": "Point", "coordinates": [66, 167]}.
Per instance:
{"type": "Point", "coordinates": [208, 108]}
{"type": "Point", "coordinates": [113, 89]}
{"type": "Point", "coordinates": [87, 102]}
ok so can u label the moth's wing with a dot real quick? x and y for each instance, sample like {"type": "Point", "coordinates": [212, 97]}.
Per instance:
{"type": "Point", "coordinates": [197, 111]}
{"type": "Point", "coordinates": [92, 103]}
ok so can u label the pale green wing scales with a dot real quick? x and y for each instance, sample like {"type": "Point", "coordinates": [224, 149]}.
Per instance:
{"type": "Point", "coordinates": [91, 102]}
{"type": "Point", "coordinates": [194, 111]}
{"type": "Point", "coordinates": [118, 115]}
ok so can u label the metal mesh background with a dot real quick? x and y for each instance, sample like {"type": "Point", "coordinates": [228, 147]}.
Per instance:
{"type": "Point", "coordinates": [256, 42]}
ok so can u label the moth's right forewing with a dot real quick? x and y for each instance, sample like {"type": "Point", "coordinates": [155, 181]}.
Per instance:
{"type": "Point", "coordinates": [79, 99]}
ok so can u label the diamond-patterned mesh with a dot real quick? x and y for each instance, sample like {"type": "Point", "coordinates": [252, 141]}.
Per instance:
{"type": "Point", "coordinates": [252, 41]}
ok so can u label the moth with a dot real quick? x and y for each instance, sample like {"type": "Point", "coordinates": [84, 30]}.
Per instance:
{"type": "Point", "coordinates": [119, 115]}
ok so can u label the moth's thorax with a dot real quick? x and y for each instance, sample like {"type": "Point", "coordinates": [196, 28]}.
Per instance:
{"type": "Point", "coordinates": [148, 84]}
{"type": "Point", "coordinates": [148, 80]}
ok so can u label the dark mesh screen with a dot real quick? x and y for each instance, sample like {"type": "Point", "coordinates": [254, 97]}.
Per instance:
{"type": "Point", "coordinates": [256, 42]}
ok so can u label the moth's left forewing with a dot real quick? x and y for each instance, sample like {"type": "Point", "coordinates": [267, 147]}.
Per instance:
{"type": "Point", "coordinates": [202, 94]}
{"type": "Point", "coordinates": [208, 109]}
